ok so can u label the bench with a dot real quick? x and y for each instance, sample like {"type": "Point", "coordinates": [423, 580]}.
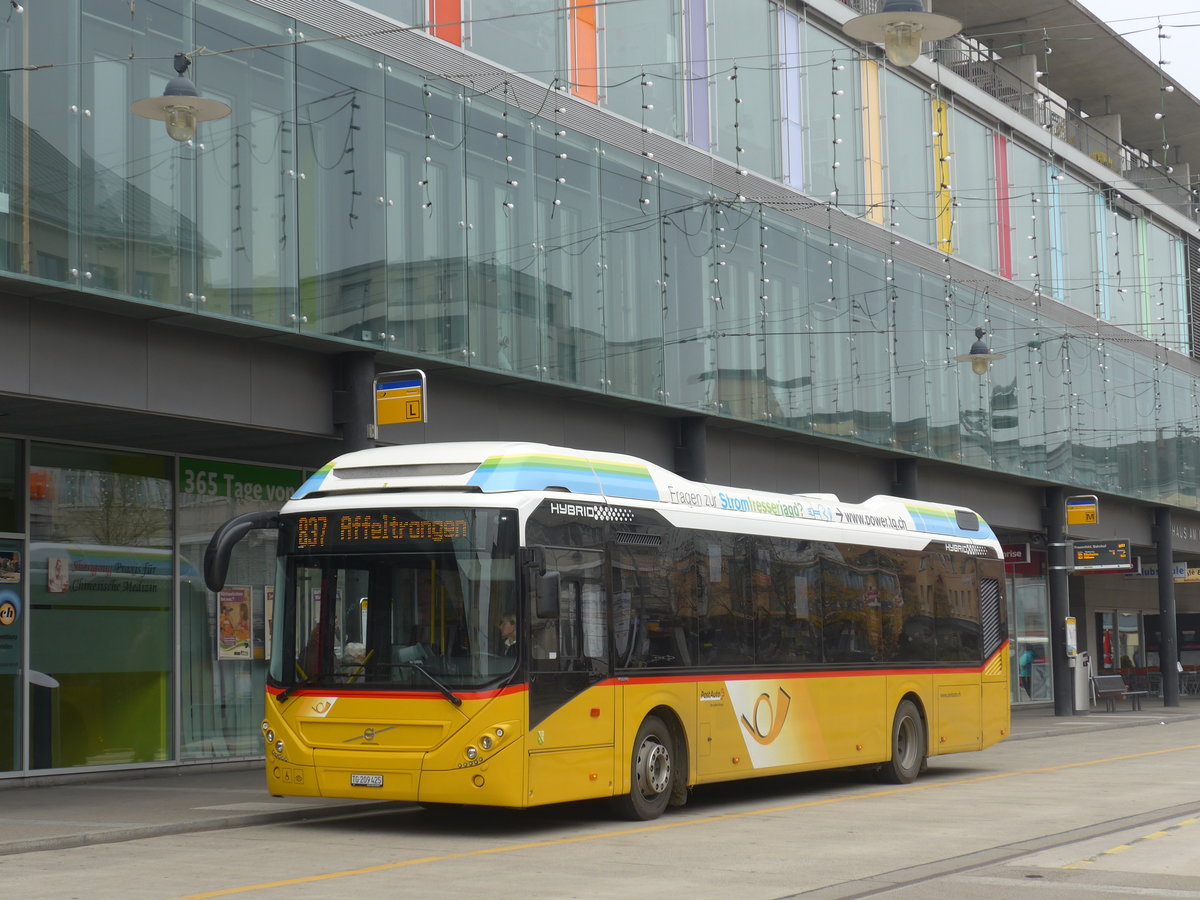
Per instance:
{"type": "Point", "coordinates": [1111, 688]}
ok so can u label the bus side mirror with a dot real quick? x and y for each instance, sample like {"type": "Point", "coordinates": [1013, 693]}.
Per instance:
{"type": "Point", "coordinates": [220, 546]}
{"type": "Point", "coordinates": [547, 596]}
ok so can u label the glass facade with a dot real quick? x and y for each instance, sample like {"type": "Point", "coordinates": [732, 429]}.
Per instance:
{"type": "Point", "coordinates": [112, 652]}
{"type": "Point", "coordinates": [225, 638]}
{"type": "Point", "coordinates": [100, 604]}
{"type": "Point", "coordinates": [355, 197]}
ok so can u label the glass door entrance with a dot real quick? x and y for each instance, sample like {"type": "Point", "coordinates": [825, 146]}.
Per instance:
{"type": "Point", "coordinates": [12, 626]}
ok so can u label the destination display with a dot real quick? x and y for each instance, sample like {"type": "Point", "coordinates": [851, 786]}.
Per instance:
{"type": "Point", "coordinates": [360, 529]}
{"type": "Point", "coordinates": [1103, 556]}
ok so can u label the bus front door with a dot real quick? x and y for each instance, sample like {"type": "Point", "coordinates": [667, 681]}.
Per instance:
{"type": "Point", "coordinates": [572, 705]}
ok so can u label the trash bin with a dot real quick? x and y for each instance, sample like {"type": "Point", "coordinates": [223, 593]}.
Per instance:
{"type": "Point", "coordinates": [1083, 683]}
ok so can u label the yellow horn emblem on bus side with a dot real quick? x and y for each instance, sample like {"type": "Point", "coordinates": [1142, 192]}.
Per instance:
{"type": "Point", "coordinates": [776, 717]}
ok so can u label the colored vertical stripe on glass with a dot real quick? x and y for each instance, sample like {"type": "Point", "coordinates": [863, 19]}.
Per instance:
{"type": "Point", "coordinates": [872, 142]}
{"type": "Point", "coordinates": [944, 212]}
{"type": "Point", "coordinates": [445, 20]}
{"type": "Point", "coordinates": [584, 77]}
{"type": "Point", "coordinates": [1003, 215]}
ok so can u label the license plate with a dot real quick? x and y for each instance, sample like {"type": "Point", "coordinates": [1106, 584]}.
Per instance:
{"type": "Point", "coordinates": [366, 781]}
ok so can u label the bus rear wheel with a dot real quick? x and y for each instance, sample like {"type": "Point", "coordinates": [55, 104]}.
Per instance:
{"type": "Point", "coordinates": [908, 746]}
{"type": "Point", "coordinates": [651, 772]}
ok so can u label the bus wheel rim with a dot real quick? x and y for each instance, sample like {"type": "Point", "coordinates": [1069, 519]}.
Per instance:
{"type": "Point", "coordinates": [654, 768]}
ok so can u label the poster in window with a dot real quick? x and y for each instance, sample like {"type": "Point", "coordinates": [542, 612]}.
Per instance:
{"type": "Point", "coordinates": [233, 623]}
{"type": "Point", "coordinates": [10, 566]}
{"type": "Point", "coordinates": [58, 575]}
{"type": "Point", "coordinates": [268, 619]}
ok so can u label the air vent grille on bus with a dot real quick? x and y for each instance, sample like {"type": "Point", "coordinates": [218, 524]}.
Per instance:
{"type": "Point", "coordinates": [639, 540]}
{"type": "Point", "coordinates": [989, 618]}
{"type": "Point", "coordinates": [426, 470]}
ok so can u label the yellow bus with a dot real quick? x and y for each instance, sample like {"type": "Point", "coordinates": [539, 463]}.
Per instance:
{"type": "Point", "coordinates": [515, 624]}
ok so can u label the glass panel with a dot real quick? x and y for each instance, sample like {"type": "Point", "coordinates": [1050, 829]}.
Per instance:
{"type": "Point", "coordinates": [567, 258]}
{"type": "Point", "coordinates": [101, 576]}
{"type": "Point", "coordinates": [1079, 227]}
{"type": "Point", "coordinates": [525, 35]}
{"type": "Point", "coordinates": [908, 146]}
{"type": "Point", "coordinates": [643, 38]}
{"type": "Point", "coordinates": [787, 620]}
{"type": "Point", "coordinates": [1027, 191]}
{"type": "Point", "coordinates": [690, 295]}
{"type": "Point", "coordinates": [746, 92]}
{"type": "Point", "coordinates": [869, 343]}
{"type": "Point", "coordinates": [426, 212]}
{"type": "Point", "coordinates": [787, 314]}
{"type": "Point", "coordinates": [738, 288]}
{"type": "Point", "coordinates": [505, 289]}
{"type": "Point", "coordinates": [40, 121]}
{"type": "Point", "coordinates": [340, 178]}
{"type": "Point", "coordinates": [221, 683]}
{"type": "Point", "coordinates": [138, 222]}
{"type": "Point", "coordinates": [911, 401]}
{"type": "Point", "coordinates": [833, 112]}
{"type": "Point", "coordinates": [632, 274]}
{"type": "Point", "coordinates": [12, 626]}
{"type": "Point", "coordinates": [973, 193]}
{"type": "Point", "coordinates": [1031, 639]}
{"type": "Point", "coordinates": [247, 256]}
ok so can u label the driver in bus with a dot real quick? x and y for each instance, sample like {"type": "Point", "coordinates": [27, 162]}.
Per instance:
{"type": "Point", "coordinates": [508, 635]}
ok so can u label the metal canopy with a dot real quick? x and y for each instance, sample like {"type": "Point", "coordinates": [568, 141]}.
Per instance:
{"type": "Point", "coordinates": [1092, 66]}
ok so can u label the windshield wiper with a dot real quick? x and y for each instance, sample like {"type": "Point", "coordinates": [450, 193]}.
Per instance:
{"type": "Point", "coordinates": [292, 688]}
{"type": "Point", "coordinates": [446, 692]}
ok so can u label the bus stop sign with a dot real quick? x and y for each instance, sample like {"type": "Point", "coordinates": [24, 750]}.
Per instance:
{"type": "Point", "coordinates": [400, 397]}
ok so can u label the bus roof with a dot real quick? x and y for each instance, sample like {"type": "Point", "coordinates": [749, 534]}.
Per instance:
{"type": "Point", "coordinates": [499, 467]}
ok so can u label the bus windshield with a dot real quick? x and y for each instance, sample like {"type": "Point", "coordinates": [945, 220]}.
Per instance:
{"type": "Point", "coordinates": [386, 599]}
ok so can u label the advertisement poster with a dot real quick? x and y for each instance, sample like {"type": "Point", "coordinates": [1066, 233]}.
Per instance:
{"type": "Point", "coordinates": [58, 575]}
{"type": "Point", "coordinates": [233, 623]}
{"type": "Point", "coordinates": [268, 619]}
{"type": "Point", "coordinates": [10, 566]}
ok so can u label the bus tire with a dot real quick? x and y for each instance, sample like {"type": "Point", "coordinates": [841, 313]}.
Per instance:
{"type": "Point", "coordinates": [651, 772]}
{"type": "Point", "coordinates": [908, 746]}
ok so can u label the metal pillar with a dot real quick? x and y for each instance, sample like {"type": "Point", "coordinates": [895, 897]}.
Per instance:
{"type": "Point", "coordinates": [353, 402]}
{"type": "Point", "coordinates": [1168, 647]}
{"type": "Point", "coordinates": [1057, 582]}
{"type": "Point", "coordinates": [691, 453]}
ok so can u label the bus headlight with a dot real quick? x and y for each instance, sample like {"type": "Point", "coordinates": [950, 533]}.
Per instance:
{"type": "Point", "coordinates": [499, 732]}
{"type": "Point", "coordinates": [265, 725]}
{"type": "Point", "coordinates": [279, 747]}
{"type": "Point", "coordinates": [472, 753]}
{"type": "Point", "coordinates": [270, 736]}
{"type": "Point", "coordinates": [486, 742]}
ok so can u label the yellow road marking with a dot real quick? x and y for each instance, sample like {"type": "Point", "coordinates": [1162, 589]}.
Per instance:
{"type": "Point", "coordinates": [687, 823]}
{"type": "Point", "coordinates": [1145, 837]}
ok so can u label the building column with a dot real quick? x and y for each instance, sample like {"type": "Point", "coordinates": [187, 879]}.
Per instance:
{"type": "Point", "coordinates": [905, 482]}
{"type": "Point", "coordinates": [691, 450]}
{"type": "Point", "coordinates": [354, 400]}
{"type": "Point", "coordinates": [1168, 645]}
{"type": "Point", "coordinates": [1059, 589]}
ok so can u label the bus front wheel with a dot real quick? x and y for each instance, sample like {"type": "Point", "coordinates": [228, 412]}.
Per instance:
{"type": "Point", "coordinates": [908, 746]}
{"type": "Point", "coordinates": [651, 772]}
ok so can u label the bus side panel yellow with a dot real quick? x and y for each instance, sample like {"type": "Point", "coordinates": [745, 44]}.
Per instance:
{"type": "Point", "coordinates": [957, 721]}
{"type": "Point", "coordinates": [997, 711]}
{"type": "Point", "coordinates": [571, 750]}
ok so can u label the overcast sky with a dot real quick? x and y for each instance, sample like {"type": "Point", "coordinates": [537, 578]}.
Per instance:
{"type": "Point", "coordinates": [1138, 24]}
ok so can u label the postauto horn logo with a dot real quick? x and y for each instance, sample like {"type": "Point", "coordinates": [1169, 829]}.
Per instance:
{"type": "Point", "coordinates": [766, 720]}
